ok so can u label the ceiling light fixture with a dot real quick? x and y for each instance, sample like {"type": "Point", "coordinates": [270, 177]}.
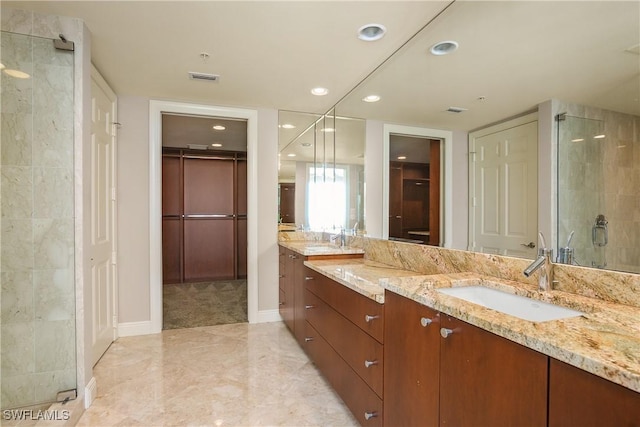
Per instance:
{"type": "Point", "coordinates": [216, 144]}
{"type": "Point", "coordinates": [577, 140]}
{"type": "Point", "coordinates": [371, 98]}
{"type": "Point", "coordinates": [319, 91]}
{"type": "Point", "coordinates": [16, 73]}
{"type": "Point", "coordinates": [219, 127]}
{"type": "Point", "coordinates": [402, 157]}
{"type": "Point", "coordinates": [291, 155]}
{"type": "Point", "coordinates": [599, 136]}
{"type": "Point", "coordinates": [327, 130]}
{"type": "Point", "coordinates": [444, 48]}
{"type": "Point", "coordinates": [306, 144]}
{"type": "Point", "coordinates": [288, 126]}
{"type": "Point", "coordinates": [371, 32]}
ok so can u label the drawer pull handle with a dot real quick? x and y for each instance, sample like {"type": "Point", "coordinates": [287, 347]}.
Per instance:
{"type": "Point", "coordinates": [281, 302]}
{"type": "Point", "coordinates": [445, 332]}
{"type": "Point", "coordinates": [309, 278]}
{"type": "Point", "coordinates": [368, 318]}
{"type": "Point", "coordinates": [281, 276]}
{"type": "Point", "coordinates": [294, 256]}
{"type": "Point", "coordinates": [425, 322]}
{"type": "Point", "coordinates": [369, 363]}
{"type": "Point", "coordinates": [308, 339]}
{"type": "Point", "coordinates": [369, 415]}
{"type": "Point", "coordinates": [309, 306]}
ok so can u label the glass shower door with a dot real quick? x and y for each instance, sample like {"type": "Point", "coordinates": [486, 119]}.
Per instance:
{"type": "Point", "coordinates": [37, 317]}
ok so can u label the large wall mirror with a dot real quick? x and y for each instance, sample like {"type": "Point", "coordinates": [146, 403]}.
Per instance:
{"type": "Point", "coordinates": [574, 64]}
{"type": "Point", "coordinates": [321, 172]}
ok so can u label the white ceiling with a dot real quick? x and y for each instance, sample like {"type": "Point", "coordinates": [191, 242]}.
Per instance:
{"type": "Point", "coordinates": [267, 53]}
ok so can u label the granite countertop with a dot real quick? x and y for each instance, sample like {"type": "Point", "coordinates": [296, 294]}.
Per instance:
{"type": "Point", "coordinates": [313, 248]}
{"type": "Point", "coordinates": [605, 340]}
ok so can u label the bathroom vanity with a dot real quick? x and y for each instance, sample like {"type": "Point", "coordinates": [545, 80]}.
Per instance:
{"type": "Point", "coordinates": [400, 352]}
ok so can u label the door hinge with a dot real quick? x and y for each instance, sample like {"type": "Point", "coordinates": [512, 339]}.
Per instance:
{"type": "Point", "coordinates": [113, 194]}
{"type": "Point", "coordinates": [473, 156]}
{"type": "Point", "coordinates": [113, 258]}
{"type": "Point", "coordinates": [474, 202]}
{"type": "Point", "coordinates": [115, 320]}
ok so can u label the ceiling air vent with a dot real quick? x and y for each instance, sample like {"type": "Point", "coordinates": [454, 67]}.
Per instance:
{"type": "Point", "coordinates": [456, 110]}
{"type": "Point", "coordinates": [204, 76]}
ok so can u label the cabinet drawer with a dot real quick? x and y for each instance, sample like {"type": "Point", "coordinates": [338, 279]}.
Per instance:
{"type": "Point", "coordinates": [362, 311]}
{"type": "Point", "coordinates": [363, 353]}
{"type": "Point", "coordinates": [365, 405]}
{"type": "Point", "coordinates": [286, 309]}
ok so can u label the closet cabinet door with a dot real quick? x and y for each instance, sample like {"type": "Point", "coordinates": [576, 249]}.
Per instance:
{"type": "Point", "coordinates": [171, 219]}
{"type": "Point", "coordinates": [207, 255]}
{"type": "Point", "coordinates": [208, 186]}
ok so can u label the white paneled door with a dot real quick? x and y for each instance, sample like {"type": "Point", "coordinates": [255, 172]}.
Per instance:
{"type": "Point", "coordinates": [503, 173]}
{"type": "Point", "coordinates": [103, 200]}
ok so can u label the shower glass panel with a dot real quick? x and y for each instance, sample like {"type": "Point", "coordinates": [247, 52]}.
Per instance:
{"type": "Point", "coordinates": [597, 191]}
{"type": "Point", "coordinates": [37, 298]}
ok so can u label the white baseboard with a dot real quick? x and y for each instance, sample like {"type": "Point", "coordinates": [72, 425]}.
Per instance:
{"type": "Point", "coordinates": [131, 329]}
{"type": "Point", "coordinates": [90, 392]}
{"type": "Point", "coordinates": [266, 316]}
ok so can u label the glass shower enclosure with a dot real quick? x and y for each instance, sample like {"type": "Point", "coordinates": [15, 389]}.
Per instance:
{"type": "Point", "coordinates": [38, 315]}
{"type": "Point", "coordinates": [598, 191]}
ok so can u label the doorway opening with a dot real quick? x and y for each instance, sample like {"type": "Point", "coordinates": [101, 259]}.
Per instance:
{"type": "Point", "coordinates": [204, 220]}
{"type": "Point", "coordinates": [414, 189]}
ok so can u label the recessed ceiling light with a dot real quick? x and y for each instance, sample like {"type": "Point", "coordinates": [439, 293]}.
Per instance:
{"type": "Point", "coordinates": [16, 73]}
{"type": "Point", "coordinates": [371, 32]}
{"type": "Point", "coordinates": [291, 155]}
{"type": "Point", "coordinates": [319, 91]}
{"type": "Point", "coordinates": [306, 144]}
{"type": "Point", "coordinates": [327, 130]}
{"type": "Point", "coordinates": [219, 127]}
{"type": "Point", "coordinates": [371, 98]}
{"type": "Point", "coordinates": [402, 157]}
{"type": "Point", "coordinates": [444, 48]}
{"type": "Point", "coordinates": [599, 136]}
{"type": "Point", "coordinates": [577, 140]}
{"type": "Point", "coordinates": [216, 144]}
{"type": "Point", "coordinates": [288, 126]}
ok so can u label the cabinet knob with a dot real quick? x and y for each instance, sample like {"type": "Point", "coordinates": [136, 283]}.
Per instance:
{"type": "Point", "coordinates": [308, 307]}
{"type": "Point", "coordinates": [369, 363]}
{"type": "Point", "coordinates": [369, 415]}
{"type": "Point", "coordinates": [308, 339]}
{"type": "Point", "coordinates": [281, 302]}
{"type": "Point", "coordinates": [445, 332]}
{"type": "Point", "coordinates": [309, 278]}
{"type": "Point", "coordinates": [281, 276]}
{"type": "Point", "coordinates": [425, 322]}
{"type": "Point", "coordinates": [368, 318]}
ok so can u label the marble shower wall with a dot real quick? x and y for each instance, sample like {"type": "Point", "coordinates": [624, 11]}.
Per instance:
{"type": "Point", "coordinates": [37, 316]}
{"type": "Point", "coordinates": [600, 176]}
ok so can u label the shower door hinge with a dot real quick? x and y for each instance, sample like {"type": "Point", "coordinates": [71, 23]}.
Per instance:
{"type": "Point", "coordinates": [66, 395]}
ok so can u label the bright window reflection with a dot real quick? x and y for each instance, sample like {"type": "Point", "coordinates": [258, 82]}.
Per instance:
{"type": "Point", "coordinates": [326, 198]}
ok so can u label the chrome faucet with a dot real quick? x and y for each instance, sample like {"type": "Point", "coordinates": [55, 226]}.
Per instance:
{"type": "Point", "coordinates": [545, 277]}
{"type": "Point", "coordinates": [343, 238]}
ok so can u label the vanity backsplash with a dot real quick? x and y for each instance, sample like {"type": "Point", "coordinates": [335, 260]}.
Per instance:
{"type": "Point", "coordinates": [610, 286]}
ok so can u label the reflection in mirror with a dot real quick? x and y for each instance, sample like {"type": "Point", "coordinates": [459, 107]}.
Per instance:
{"type": "Point", "coordinates": [414, 189]}
{"type": "Point", "coordinates": [515, 58]}
{"type": "Point", "coordinates": [599, 189]}
{"type": "Point", "coordinates": [322, 164]}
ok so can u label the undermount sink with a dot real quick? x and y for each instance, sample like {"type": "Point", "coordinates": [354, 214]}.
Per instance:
{"type": "Point", "coordinates": [514, 305]}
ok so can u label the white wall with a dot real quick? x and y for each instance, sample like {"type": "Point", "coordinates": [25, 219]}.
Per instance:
{"type": "Point", "coordinates": [460, 191]}
{"type": "Point", "coordinates": [374, 187]}
{"type": "Point", "coordinates": [133, 211]}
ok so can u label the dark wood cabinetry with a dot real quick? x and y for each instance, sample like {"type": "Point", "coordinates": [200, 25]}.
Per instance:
{"type": "Point", "coordinates": [287, 203]}
{"type": "Point", "coordinates": [470, 378]}
{"type": "Point", "coordinates": [414, 199]}
{"type": "Point", "coordinates": [412, 363]}
{"type": "Point", "coordinates": [488, 380]}
{"type": "Point", "coordinates": [204, 216]}
{"type": "Point", "coordinates": [579, 398]}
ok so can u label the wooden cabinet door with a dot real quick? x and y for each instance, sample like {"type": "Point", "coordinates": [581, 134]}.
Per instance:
{"type": "Point", "coordinates": [288, 203]}
{"type": "Point", "coordinates": [395, 200]}
{"type": "Point", "coordinates": [286, 287]}
{"type": "Point", "coordinates": [412, 363]}
{"type": "Point", "coordinates": [487, 380]}
{"type": "Point", "coordinates": [579, 398]}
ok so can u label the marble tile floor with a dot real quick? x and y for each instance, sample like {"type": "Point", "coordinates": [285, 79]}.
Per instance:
{"type": "Point", "coordinates": [190, 305]}
{"type": "Point", "coordinates": [226, 375]}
